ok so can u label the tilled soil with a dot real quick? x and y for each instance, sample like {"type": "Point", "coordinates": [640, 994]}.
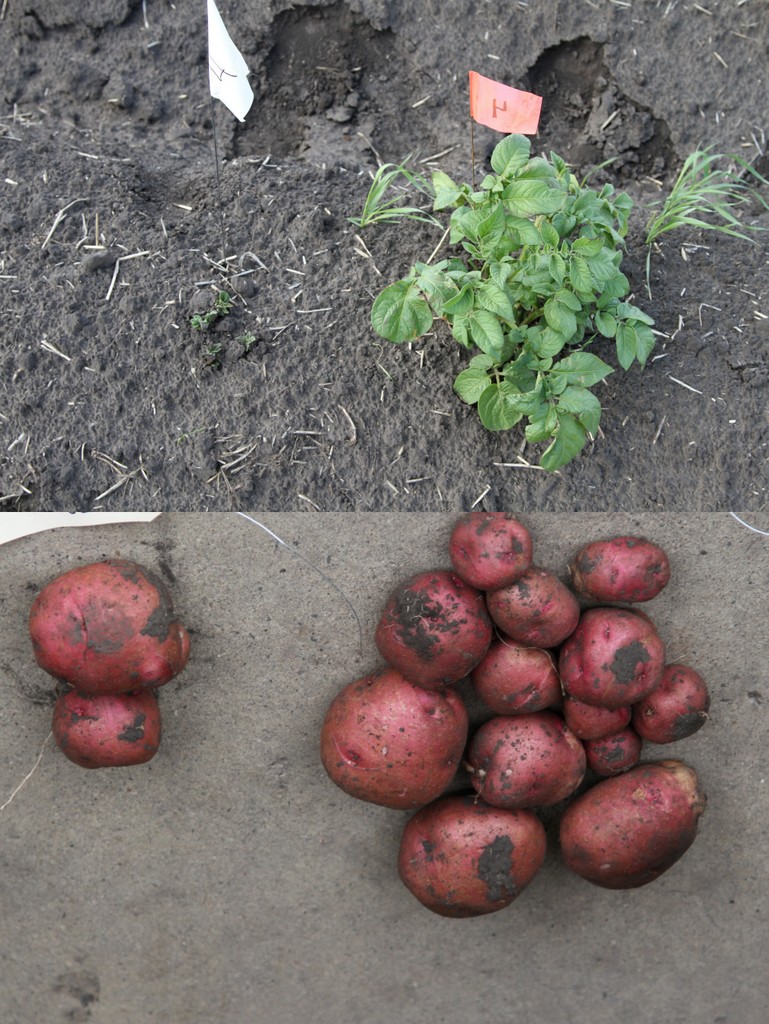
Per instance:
{"type": "Point", "coordinates": [111, 240]}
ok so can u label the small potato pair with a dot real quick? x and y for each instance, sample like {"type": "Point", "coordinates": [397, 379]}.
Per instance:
{"type": "Point", "coordinates": [108, 631]}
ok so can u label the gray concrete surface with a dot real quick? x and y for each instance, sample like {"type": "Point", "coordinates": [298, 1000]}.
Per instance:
{"type": "Point", "coordinates": [229, 881]}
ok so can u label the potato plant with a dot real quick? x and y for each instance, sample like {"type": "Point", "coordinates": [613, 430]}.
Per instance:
{"type": "Point", "coordinates": [537, 282]}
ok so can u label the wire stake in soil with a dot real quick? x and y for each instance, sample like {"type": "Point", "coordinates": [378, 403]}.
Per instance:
{"type": "Point", "coordinates": [218, 183]}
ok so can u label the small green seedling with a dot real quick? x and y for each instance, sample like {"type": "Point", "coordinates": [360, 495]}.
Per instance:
{"type": "Point", "coordinates": [214, 352]}
{"type": "Point", "coordinates": [378, 210]}
{"type": "Point", "coordinates": [538, 281]}
{"type": "Point", "coordinates": [221, 307]}
{"type": "Point", "coordinates": [704, 190]}
{"type": "Point", "coordinates": [247, 340]}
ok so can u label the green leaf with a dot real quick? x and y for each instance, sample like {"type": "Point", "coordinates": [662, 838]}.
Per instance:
{"type": "Point", "coordinates": [538, 167]}
{"type": "Point", "coordinates": [447, 192]}
{"type": "Point", "coordinates": [634, 341]}
{"type": "Point", "coordinates": [521, 375]}
{"type": "Point", "coordinates": [616, 286]}
{"type": "Point", "coordinates": [583, 369]}
{"type": "Point", "coordinates": [569, 299]}
{"type": "Point", "coordinates": [482, 360]}
{"type": "Point", "coordinates": [557, 268]}
{"type": "Point", "coordinates": [549, 234]}
{"type": "Point", "coordinates": [560, 318]}
{"type": "Point", "coordinates": [570, 439]}
{"type": "Point", "coordinates": [542, 423]}
{"type": "Point", "coordinates": [500, 272]}
{"type": "Point", "coordinates": [603, 268]}
{"type": "Point", "coordinates": [462, 302]}
{"type": "Point", "coordinates": [491, 232]}
{"type": "Point", "coordinates": [587, 246]}
{"type": "Point", "coordinates": [486, 332]}
{"type": "Point", "coordinates": [605, 324]}
{"type": "Point", "coordinates": [644, 343]}
{"type": "Point", "coordinates": [627, 311]}
{"type": "Point", "coordinates": [579, 274]}
{"type": "Point", "coordinates": [525, 229]}
{"type": "Point", "coordinates": [460, 328]}
{"type": "Point", "coordinates": [492, 225]}
{"type": "Point", "coordinates": [400, 313]}
{"type": "Point", "coordinates": [564, 223]}
{"type": "Point", "coordinates": [510, 154]}
{"type": "Point", "coordinates": [433, 281]}
{"type": "Point", "coordinates": [494, 408]}
{"type": "Point", "coordinates": [464, 224]}
{"type": "Point", "coordinates": [471, 383]}
{"type": "Point", "coordinates": [495, 299]}
{"type": "Point", "coordinates": [530, 197]}
{"type": "Point", "coordinates": [545, 342]}
{"type": "Point", "coordinates": [585, 406]}
{"type": "Point", "coordinates": [627, 344]}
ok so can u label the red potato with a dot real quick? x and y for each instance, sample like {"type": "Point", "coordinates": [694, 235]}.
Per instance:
{"type": "Point", "coordinates": [108, 627]}
{"type": "Point", "coordinates": [620, 569]}
{"type": "Point", "coordinates": [612, 659]}
{"type": "Point", "coordinates": [627, 830]}
{"type": "Point", "coordinates": [674, 710]}
{"type": "Point", "coordinates": [591, 723]}
{"type": "Point", "coordinates": [434, 629]}
{"type": "Point", "coordinates": [391, 742]}
{"type": "Point", "coordinates": [515, 679]}
{"type": "Point", "coordinates": [112, 730]}
{"type": "Point", "coordinates": [613, 754]}
{"type": "Point", "coordinates": [490, 550]}
{"type": "Point", "coordinates": [461, 858]}
{"type": "Point", "coordinates": [525, 760]}
{"type": "Point", "coordinates": [537, 609]}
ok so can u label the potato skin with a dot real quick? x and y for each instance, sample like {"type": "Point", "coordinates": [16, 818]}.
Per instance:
{"type": "Point", "coordinates": [108, 627]}
{"type": "Point", "coordinates": [612, 659]}
{"type": "Point", "coordinates": [675, 709]}
{"type": "Point", "coordinates": [434, 628]}
{"type": "Point", "coordinates": [461, 858]}
{"type": "Point", "coordinates": [537, 609]}
{"type": "Point", "coordinates": [613, 754]}
{"type": "Point", "coordinates": [525, 760]}
{"type": "Point", "coordinates": [516, 679]}
{"type": "Point", "coordinates": [390, 742]}
{"type": "Point", "coordinates": [591, 723]}
{"type": "Point", "coordinates": [110, 730]}
{"type": "Point", "coordinates": [627, 830]}
{"type": "Point", "coordinates": [490, 550]}
{"type": "Point", "coordinates": [620, 569]}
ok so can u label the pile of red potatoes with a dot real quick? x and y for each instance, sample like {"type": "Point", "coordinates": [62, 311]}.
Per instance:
{"type": "Point", "coordinates": [574, 680]}
{"type": "Point", "coordinates": [107, 632]}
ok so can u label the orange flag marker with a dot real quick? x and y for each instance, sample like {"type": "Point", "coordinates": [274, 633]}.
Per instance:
{"type": "Point", "coordinates": [503, 108]}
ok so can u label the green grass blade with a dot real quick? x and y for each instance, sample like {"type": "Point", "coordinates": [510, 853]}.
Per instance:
{"type": "Point", "coordinates": [377, 209]}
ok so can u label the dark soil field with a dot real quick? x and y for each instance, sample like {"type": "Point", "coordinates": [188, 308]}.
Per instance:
{"type": "Point", "coordinates": [110, 241]}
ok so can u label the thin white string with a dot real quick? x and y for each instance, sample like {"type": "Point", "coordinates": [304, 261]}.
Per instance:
{"type": "Point", "coordinates": [320, 572]}
{"type": "Point", "coordinates": [753, 528]}
{"type": "Point", "coordinates": [29, 774]}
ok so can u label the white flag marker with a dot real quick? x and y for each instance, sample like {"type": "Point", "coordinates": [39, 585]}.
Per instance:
{"type": "Point", "coordinates": [227, 70]}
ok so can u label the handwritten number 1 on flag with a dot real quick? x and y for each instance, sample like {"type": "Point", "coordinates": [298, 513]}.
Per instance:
{"type": "Point", "coordinates": [227, 70]}
{"type": "Point", "coordinates": [503, 108]}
